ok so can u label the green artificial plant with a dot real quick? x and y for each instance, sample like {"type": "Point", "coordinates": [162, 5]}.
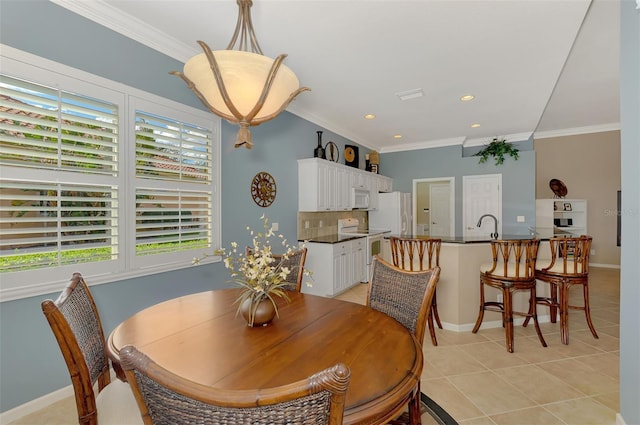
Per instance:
{"type": "Point", "coordinates": [498, 148]}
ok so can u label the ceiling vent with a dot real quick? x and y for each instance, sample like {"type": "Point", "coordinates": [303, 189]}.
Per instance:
{"type": "Point", "coordinates": [410, 94]}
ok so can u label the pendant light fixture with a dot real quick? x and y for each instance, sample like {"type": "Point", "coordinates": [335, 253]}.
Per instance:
{"type": "Point", "coordinates": [241, 86]}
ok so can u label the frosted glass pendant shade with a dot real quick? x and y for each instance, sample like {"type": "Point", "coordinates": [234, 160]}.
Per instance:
{"type": "Point", "coordinates": [244, 75]}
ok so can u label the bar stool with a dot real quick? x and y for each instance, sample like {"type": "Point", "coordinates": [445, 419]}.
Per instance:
{"type": "Point", "coordinates": [403, 253]}
{"type": "Point", "coordinates": [512, 270]}
{"type": "Point", "coordinates": [569, 266]}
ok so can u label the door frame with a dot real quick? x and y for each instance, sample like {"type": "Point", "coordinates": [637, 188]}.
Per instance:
{"type": "Point", "coordinates": [452, 200]}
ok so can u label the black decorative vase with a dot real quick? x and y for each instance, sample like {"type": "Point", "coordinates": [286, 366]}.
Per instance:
{"type": "Point", "coordinates": [319, 151]}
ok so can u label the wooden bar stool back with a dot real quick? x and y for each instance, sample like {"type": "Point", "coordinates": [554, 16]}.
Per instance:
{"type": "Point", "coordinates": [417, 254]}
{"type": "Point", "coordinates": [569, 266]}
{"type": "Point", "coordinates": [512, 270]}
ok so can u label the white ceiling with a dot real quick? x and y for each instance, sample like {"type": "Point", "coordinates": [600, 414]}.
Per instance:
{"type": "Point", "coordinates": [549, 67]}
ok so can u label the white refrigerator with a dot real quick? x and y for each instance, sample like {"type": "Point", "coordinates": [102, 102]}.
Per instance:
{"type": "Point", "coordinates": [393, 213]}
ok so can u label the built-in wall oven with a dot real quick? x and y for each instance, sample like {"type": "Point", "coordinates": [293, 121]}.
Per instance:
{"type": "Point", "coordinates": [374, 238]}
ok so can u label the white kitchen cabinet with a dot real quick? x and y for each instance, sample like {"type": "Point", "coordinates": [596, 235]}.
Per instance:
{"type": "Point", "coordinates": [344, 179]}
{"type": "Point", "coordinates": [326, 186]}
{"type": "Point", "coordinates": [385, 184]}
{"type": "Point", "coordinates": [359, 260]}
{"type": "Point", "coordinates": [316, 181]}
{"type": "Point", "coordinates": [562, 216]}
{"type": "Point", "coordinates": [336, 267]}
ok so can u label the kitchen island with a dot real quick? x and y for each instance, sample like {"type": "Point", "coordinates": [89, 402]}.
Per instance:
{"type": "Point", "coordinates": [459, 285]}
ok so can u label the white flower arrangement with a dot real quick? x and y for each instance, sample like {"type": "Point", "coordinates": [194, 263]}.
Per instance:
{"type": "Point", "coordinates": [259, 274]}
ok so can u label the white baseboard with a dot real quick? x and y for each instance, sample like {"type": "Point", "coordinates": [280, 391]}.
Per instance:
{"type": "Point", "coordinates": [467, 327]}
{"type": "Point", "coordinates": [620, 420]}
{"type": "Point", "coordinates": [605, 266]}
{"type": "Point", "coordinates": [35, 405]}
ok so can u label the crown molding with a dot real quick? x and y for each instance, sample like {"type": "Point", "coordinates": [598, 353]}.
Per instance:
{"type": "Point", "coordinates": [424, 145]}
{"type": "Point", "coordinates": [510, 138]}
{"type": "Point", "coordinates": [106, 15]}
{"type": "Point", "coordinates": [577, 131]}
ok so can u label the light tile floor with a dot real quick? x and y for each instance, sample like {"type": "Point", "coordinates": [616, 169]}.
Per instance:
{"type": "Point", "coordinates": [475, 379]}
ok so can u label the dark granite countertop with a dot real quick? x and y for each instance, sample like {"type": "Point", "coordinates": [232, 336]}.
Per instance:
{"type": "Point", "coordinates": [470, 239]}
{"type": "Point", "coordinates": [335, 238]}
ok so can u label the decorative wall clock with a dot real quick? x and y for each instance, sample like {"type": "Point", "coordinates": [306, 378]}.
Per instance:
{"type": "Point", "coordinates": [263, 189]}
{"type": "Point", "coordinates": [351, 156]}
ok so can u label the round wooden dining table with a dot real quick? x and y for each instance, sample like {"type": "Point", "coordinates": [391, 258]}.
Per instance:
{"type": "Point", "coordinates": [201, 338]}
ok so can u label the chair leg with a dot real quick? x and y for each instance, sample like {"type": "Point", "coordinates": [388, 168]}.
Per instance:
{"type": "Point", "coordinates": [434, 308]}
{"type": "Point", "coordinates": [481, 313]}
{"type": "Point", "coordinates": [508, 319]}
{"type": "Point", "coordinates": [564, 313]}
{"type": "Point", "coordinates": [587, 310]}
{"type": "Point", "coordinates": [414, 408]}
{"type": "Point", "coordinates": [432, 330]}
{"type": "Point", "coordinates": [553, 309]}
{"type": "Point", "coordinates": [533, 312]}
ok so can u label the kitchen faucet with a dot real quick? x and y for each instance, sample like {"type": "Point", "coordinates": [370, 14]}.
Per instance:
{"type": "Point", "coordinates": [494, 235]}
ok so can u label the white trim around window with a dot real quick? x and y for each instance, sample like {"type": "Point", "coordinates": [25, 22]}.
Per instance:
{"type": "Point", "coordinates": [186, 179]}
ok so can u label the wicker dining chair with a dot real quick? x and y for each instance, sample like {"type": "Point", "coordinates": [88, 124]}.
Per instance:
{"type": "Point", "coordinates": [168, 399]}
{"type": "Point", "coordinates": [406, 296]}
{"type": "Point", "coordinates": [419, 254]}
{"type": "Point", "coordinates": [295, 262]}
{"type": "Point", "coordinates": [76, 325]}
{"type": "Point", "coordinates": [512, 269]}
{"type": "Point", "coordinates": [569, 266]}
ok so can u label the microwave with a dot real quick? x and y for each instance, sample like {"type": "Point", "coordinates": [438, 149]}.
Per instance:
{"type": "Point", "coordinates": [359, 198]}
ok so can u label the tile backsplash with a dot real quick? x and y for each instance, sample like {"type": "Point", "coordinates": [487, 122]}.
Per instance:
{"type": "Point", "coordinates": [314, 224]}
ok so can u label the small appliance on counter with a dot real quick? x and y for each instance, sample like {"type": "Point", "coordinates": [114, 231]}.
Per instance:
{"type": "Point", "coordinates": [394, 213]}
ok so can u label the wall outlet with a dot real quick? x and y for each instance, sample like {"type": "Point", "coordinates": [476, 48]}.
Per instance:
{"type": "Point", "coordinates": [320, 224]}
{"type": "Point", "coordinates": [520, 219]}
{"type": "Point", "coordinates": [592, 252]}
{"type": "Point", "coordinates": [306, 224]}
{"type": "Point", "coordinates": [499, 298]}
{"type": "Point", "coordinates": [275, 227]}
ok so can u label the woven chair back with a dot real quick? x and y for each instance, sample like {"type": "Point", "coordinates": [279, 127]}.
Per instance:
{"type": "Point", "coordinates": [76, 324]}
{"type": "Point", "coordinates": [402, 294]}
{"type": "Point", "coordinates": [165, 398]}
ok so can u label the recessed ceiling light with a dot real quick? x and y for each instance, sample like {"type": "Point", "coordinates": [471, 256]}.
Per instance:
{"type": "Point", "coordinates": [397, 136]}
{"type": "Point", "coordinates": [467, 97]}
{"type": "Point", "coordinates": [370, 116]}
{"type": "Point", "coordinates": [475, 125]}
{"type": "Point", "coordinates": [410, 94]}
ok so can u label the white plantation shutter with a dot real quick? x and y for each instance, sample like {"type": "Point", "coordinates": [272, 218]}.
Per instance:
{"type": "Point", "coordinates": [172, 150]}
{"type": "Point", "coordinates": [52, 224]}
{"type": "Point", "coordinates": [176, 212]}
{"type": "Point", "coordinates": [43, 127]}
{"type": "Point", "coordinates": [98, 177]}
{"type": "Point", "coordinates": [50, 135]}
{"type": "Point", "coordinates": [167, 220]}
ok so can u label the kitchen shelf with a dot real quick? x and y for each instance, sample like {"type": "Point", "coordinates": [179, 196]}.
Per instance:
{"type": "Point", "coordinates": [564, 216]}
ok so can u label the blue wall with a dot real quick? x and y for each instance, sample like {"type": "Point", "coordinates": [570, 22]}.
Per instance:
{"type": "Point", "coordinates": [518, 179]}
{"type": "Point", "coordinates": [30, 361]}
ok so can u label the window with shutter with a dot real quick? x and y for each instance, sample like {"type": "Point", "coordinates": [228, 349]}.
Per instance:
{"type": "Point", "coordinates": [69, 197]}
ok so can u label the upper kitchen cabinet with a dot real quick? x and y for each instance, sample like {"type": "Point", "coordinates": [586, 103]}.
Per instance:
{"type": "Point", "coordinates": [562, 216]}
{"type": "Point", "coordinates": [327, 186]}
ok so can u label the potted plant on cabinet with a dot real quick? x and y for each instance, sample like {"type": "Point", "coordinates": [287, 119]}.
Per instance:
{"type": "Point", "coordinates": [498, 148]}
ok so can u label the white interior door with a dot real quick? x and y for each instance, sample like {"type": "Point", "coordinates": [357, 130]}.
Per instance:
{"type": "Point", "coordinates": [422, 204]}
{"type": "Point", "coordinates": [481, 195]}
{"type": "Point", "coordinates": [439, 197]}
